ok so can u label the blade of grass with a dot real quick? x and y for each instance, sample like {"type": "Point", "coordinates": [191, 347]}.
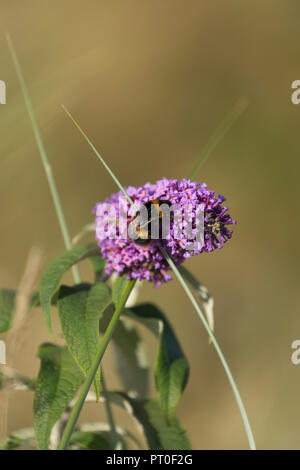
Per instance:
{"type": "Point", "coordinates": [218, 135]}
{"type": "Point", "coordinates": [99, 156]}
{"type": "Point", "coordinates": [43, 154]}
{"type": "Point", "coordinates": [197, 308]}
{"type": "Point", "coordinates": [218, 349]}
{"type": "Point", "coordinates": [52, 184]}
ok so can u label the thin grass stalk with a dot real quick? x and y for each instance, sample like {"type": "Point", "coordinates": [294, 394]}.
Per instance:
{"type": "Point", "coordinates": [196, 307]}
{"type": "Point", "coordinates": [218, 349]}
{"type": "Point", "coordinates": [43, 154]}
{"type": "Point", "coordinates": [218, 135]}
{"type": "Point", "coordinates": [112, 175]}
{"type": "Point", "coordinates": [52, 185]}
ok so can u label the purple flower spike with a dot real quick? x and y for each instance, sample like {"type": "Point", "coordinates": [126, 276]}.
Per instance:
{"type": "Point", "coordinates": [125, 255]}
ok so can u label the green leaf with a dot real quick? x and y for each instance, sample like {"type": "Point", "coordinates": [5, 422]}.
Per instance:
{"type": "Point", "coordinates": [104, 430]}
{"type": "Point", "coordinates": [131, 359]}
{"type": "Point", "coordinates": [203, 294]}
{"type": "Point", "coordinates": [53, 274]}
{"type": "Point", "coordinates": [171, 371]}
{"type": "Point", "coordinates": [98, 264]}
{"type": "Point", "coordinates": [17, 439]}
{"type": "Point", "coordinates": [159, 434]}
{"type": "Point", "coordinates": [7, 305]}
{"type": "Point", "coordinates": [90, 441]}
{"type": "Point", "coordinates": [118, 288]}
{"type": "Point", "coordinates": [35, 300]}
{"type": "Point", "coordinates": [79, 309]}
{"type": "Point", "coordinates": [12, 380]}
{"type": "Point", "coordinates": [171, 436]}
{"type": "Point", "coordinates": [58, 381]}
{"type": "Point", "coordinates": [130, 356]}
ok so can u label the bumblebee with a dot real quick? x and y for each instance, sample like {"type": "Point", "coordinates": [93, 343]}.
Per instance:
{"type": "Point", "coordinates": [140, 230]}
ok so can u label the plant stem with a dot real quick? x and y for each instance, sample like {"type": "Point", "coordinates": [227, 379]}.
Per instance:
{"type": "Point", "coordinates": [218, 349]}
{"type": "Point", "coordinates": [235, 390]}
{"type": "Point", "coordinates": [52, 185]}
{"type": "Point", "coordinates": [96, 363]}
{"type": "Point", "coordinates": [43, 154]}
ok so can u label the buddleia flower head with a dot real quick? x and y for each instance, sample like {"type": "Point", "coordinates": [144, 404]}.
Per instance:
{"type": "Point", "coordinates": [145, 261]}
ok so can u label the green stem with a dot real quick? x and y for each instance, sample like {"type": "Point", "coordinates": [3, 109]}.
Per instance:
{"type": "Point", "coordinates": [218, 349]}
{"type": "Point", "coordinates": [224, 127]}
{"type": "Point", "coordinates": [96, 363]}
{"type": "Point", "coordinates": [49, 175]}
{"type": "Point", "coordinates": [43, 154]}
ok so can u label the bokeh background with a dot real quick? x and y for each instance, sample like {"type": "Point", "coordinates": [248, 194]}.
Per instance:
{"type": "Point", "coordinates": [150, 81]}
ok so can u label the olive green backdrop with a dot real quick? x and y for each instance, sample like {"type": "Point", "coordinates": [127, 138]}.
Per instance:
{"type": "Point", "coordinates": [150, 81]}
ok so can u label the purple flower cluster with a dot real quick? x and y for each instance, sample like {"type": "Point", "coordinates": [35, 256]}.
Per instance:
{"type": "Point", "coordinates": [124, 255]}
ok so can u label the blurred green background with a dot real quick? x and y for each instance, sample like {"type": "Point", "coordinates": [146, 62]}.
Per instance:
{"type": "Point", "coordinates": [150, 81]}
